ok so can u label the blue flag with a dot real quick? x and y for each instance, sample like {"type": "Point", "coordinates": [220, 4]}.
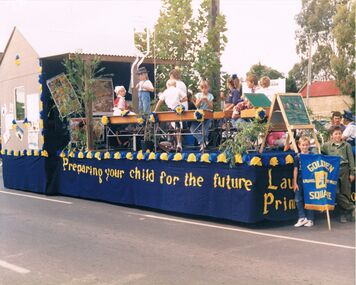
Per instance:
{"type": "Point", "coordinates": [320, 174]}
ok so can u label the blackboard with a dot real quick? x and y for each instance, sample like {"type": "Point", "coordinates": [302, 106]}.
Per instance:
{"type": "Point", "coordinates": [294, 109]}
{"type": "Point", "coordinates": [258, 99]}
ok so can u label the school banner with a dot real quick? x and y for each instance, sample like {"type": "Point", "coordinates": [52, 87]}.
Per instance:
{"type": "Point", "coordinates": [320, 174]}
{"type": "Point", "coordinates": [257, 189]}
{"type": "Point", "coordinates": [243, 193]}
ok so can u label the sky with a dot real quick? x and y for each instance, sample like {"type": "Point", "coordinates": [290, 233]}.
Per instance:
{"type": "Point", "coordinates": [258, 30]}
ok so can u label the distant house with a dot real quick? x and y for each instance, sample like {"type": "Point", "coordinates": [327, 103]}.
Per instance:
{"type": "Point", "coordinates": [326, 97]}
{"type": "Point", "coordinates": [28, 61]}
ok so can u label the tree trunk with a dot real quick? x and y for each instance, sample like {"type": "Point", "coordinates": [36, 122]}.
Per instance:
{"type": "Point", "coordinates": [89, 127]}
{"type": "Point", "coordinates": [88, 110]}
{"type": "Point", "coordinates": [214, 12]}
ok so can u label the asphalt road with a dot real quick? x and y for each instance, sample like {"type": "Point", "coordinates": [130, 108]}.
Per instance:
{"type": "Point", "coordinates": [86, 242]}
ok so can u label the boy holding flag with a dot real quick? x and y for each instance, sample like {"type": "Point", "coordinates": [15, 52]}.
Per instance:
{"type": "Point", "coordinates": [306, 218]}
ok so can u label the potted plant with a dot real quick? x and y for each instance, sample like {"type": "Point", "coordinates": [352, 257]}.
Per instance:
{"type": "Point", "coordinates": [244, 140]}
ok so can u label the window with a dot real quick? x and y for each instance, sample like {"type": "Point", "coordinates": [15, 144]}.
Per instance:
{"type": "Point", "coordinates": [20, 103]}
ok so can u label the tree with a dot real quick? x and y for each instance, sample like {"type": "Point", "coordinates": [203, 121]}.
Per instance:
{"type": "Point", "coordinates": [212, 42]}
{"type": "Point", "coordinates": [343, 60]}
{"type": "Point", "coordinates": [262, 70]}
{"type": "Point", "coordinates": [298, 73]}
{"type": "Point", "coordinates": [315, 21]}
{"type": "Point", "coordinates": [178, 35]}
{"type": "Point", "coordinates": [291, 85]}
{"type": "Point", "coordinates": [81, 74]}
{"type": "Point", "coordinates": [172, 38]}
{"type": "Point", "coordinates": [330, 24]}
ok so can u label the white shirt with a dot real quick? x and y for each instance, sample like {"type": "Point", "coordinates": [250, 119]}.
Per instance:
{"type": "Point", "coordinates": [204, 105]}
{"type": "Point", "coordinates": [183, 88]}
{"type": "Point", "coordinates": [144, 85]}
{"type": "Point", "coordinates": [267, 91]}
{"type": "Point", "coordinates": [172, 97]}
{"type": "Point", "coordinates": [350, 132]}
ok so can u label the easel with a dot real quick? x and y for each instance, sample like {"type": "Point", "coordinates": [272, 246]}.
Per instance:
{"type": "Point", "coordinates": [288, 113]}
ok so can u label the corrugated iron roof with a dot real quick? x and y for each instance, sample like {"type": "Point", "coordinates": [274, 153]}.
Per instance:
{"type": "Point", "coordinates": [321, 88]}
{"type": "Point", "coordinates": [114, 48]}
{"type": "Point", "coordinates": [55, 42]}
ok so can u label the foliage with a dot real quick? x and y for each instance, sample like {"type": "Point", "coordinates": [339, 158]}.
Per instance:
{"type": "Point", "coordinates": [343, 61]}
{"type": "Point", "coordinates": [148, 132]}
{"type": "Point", "coordinates": [181, 36]}
{"type": "Point", "coordinates": [82, 74]}
{"type": "Point", "coordinates": [172, 38]}
{"type": "Point", "coordinates": [298, 73]}
{"type": "Point", "coordinates": [262, 70]}
{"type": "Point", "coordinates": [81, 137]}
{"type": "Point", "coordinates": [315, 20]}
{"type": "Point", "coordinates": [212, 41]}
{"type": "Point", "coordinates": [322, 133]}
{"type": "Point", "coordinates": [291, 85]}
{"type": "Point", "coordinates": [330, 24]}
{"type": "Point", "coordinates": [243, 140]}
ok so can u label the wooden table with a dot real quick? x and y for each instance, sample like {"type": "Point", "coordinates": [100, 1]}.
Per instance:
{"type": "Point", "coordinates": [119, 120]}
{"type": "Point", "coordinates": [186, 116]}
{"type": "Point", "coordinates": [251, 113]}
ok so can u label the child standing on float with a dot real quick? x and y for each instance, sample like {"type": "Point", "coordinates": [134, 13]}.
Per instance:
{"type": "Point", "coordinates": [144, 87]}
{"type": "Point", "coordinates": [203, 101]}
{"type": "Point", "coordinates": [306, 217]}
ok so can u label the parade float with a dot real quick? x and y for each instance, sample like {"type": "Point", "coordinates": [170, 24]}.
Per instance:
{"type": "Point", "coordinates": [248, 187]}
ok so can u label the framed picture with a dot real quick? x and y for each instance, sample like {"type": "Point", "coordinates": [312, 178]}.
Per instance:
{"type": "Point", "coordinates": [63, 95]}
{"type": "Point", "coordinates": [104, 92]}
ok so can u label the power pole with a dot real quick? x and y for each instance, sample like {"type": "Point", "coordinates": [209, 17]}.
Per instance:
{"type": "Point", "coordinates": [309, 69]}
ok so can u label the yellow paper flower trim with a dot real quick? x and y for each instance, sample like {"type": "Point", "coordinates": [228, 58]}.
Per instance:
{"type": "Point", "coordinates": [222, 158]}
{"type": "Point", "coordinates": [273, 161]}
{"type": "Point", "coordinates": [191, 158]}
{"type": "Point", "coordinates": [256, 161]}
{"type": "Point", "coordinates": [289, 159]}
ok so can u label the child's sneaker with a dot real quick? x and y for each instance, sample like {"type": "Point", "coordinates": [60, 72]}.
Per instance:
{"type": "Point", "coordinates": [301, 222]}
{"type": "Point", "coordinates": [309, 224]}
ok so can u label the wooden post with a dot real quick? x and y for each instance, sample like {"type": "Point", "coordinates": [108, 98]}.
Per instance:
{"type": "Point", "coordinates": [135, 92]}
{"type": "Point", "coordinates": [328, 218]}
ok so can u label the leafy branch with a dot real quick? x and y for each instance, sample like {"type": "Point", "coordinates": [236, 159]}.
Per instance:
{"type": "Point", "coordinates": [243, 140]}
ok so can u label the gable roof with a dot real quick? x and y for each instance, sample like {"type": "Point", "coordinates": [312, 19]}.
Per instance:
{"type": "Point", "coordinates": [59, 44]}
{"type": "Point", "coordinates": [321, 89]}
{"type": "Point", "coordinates": [54, 42]}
